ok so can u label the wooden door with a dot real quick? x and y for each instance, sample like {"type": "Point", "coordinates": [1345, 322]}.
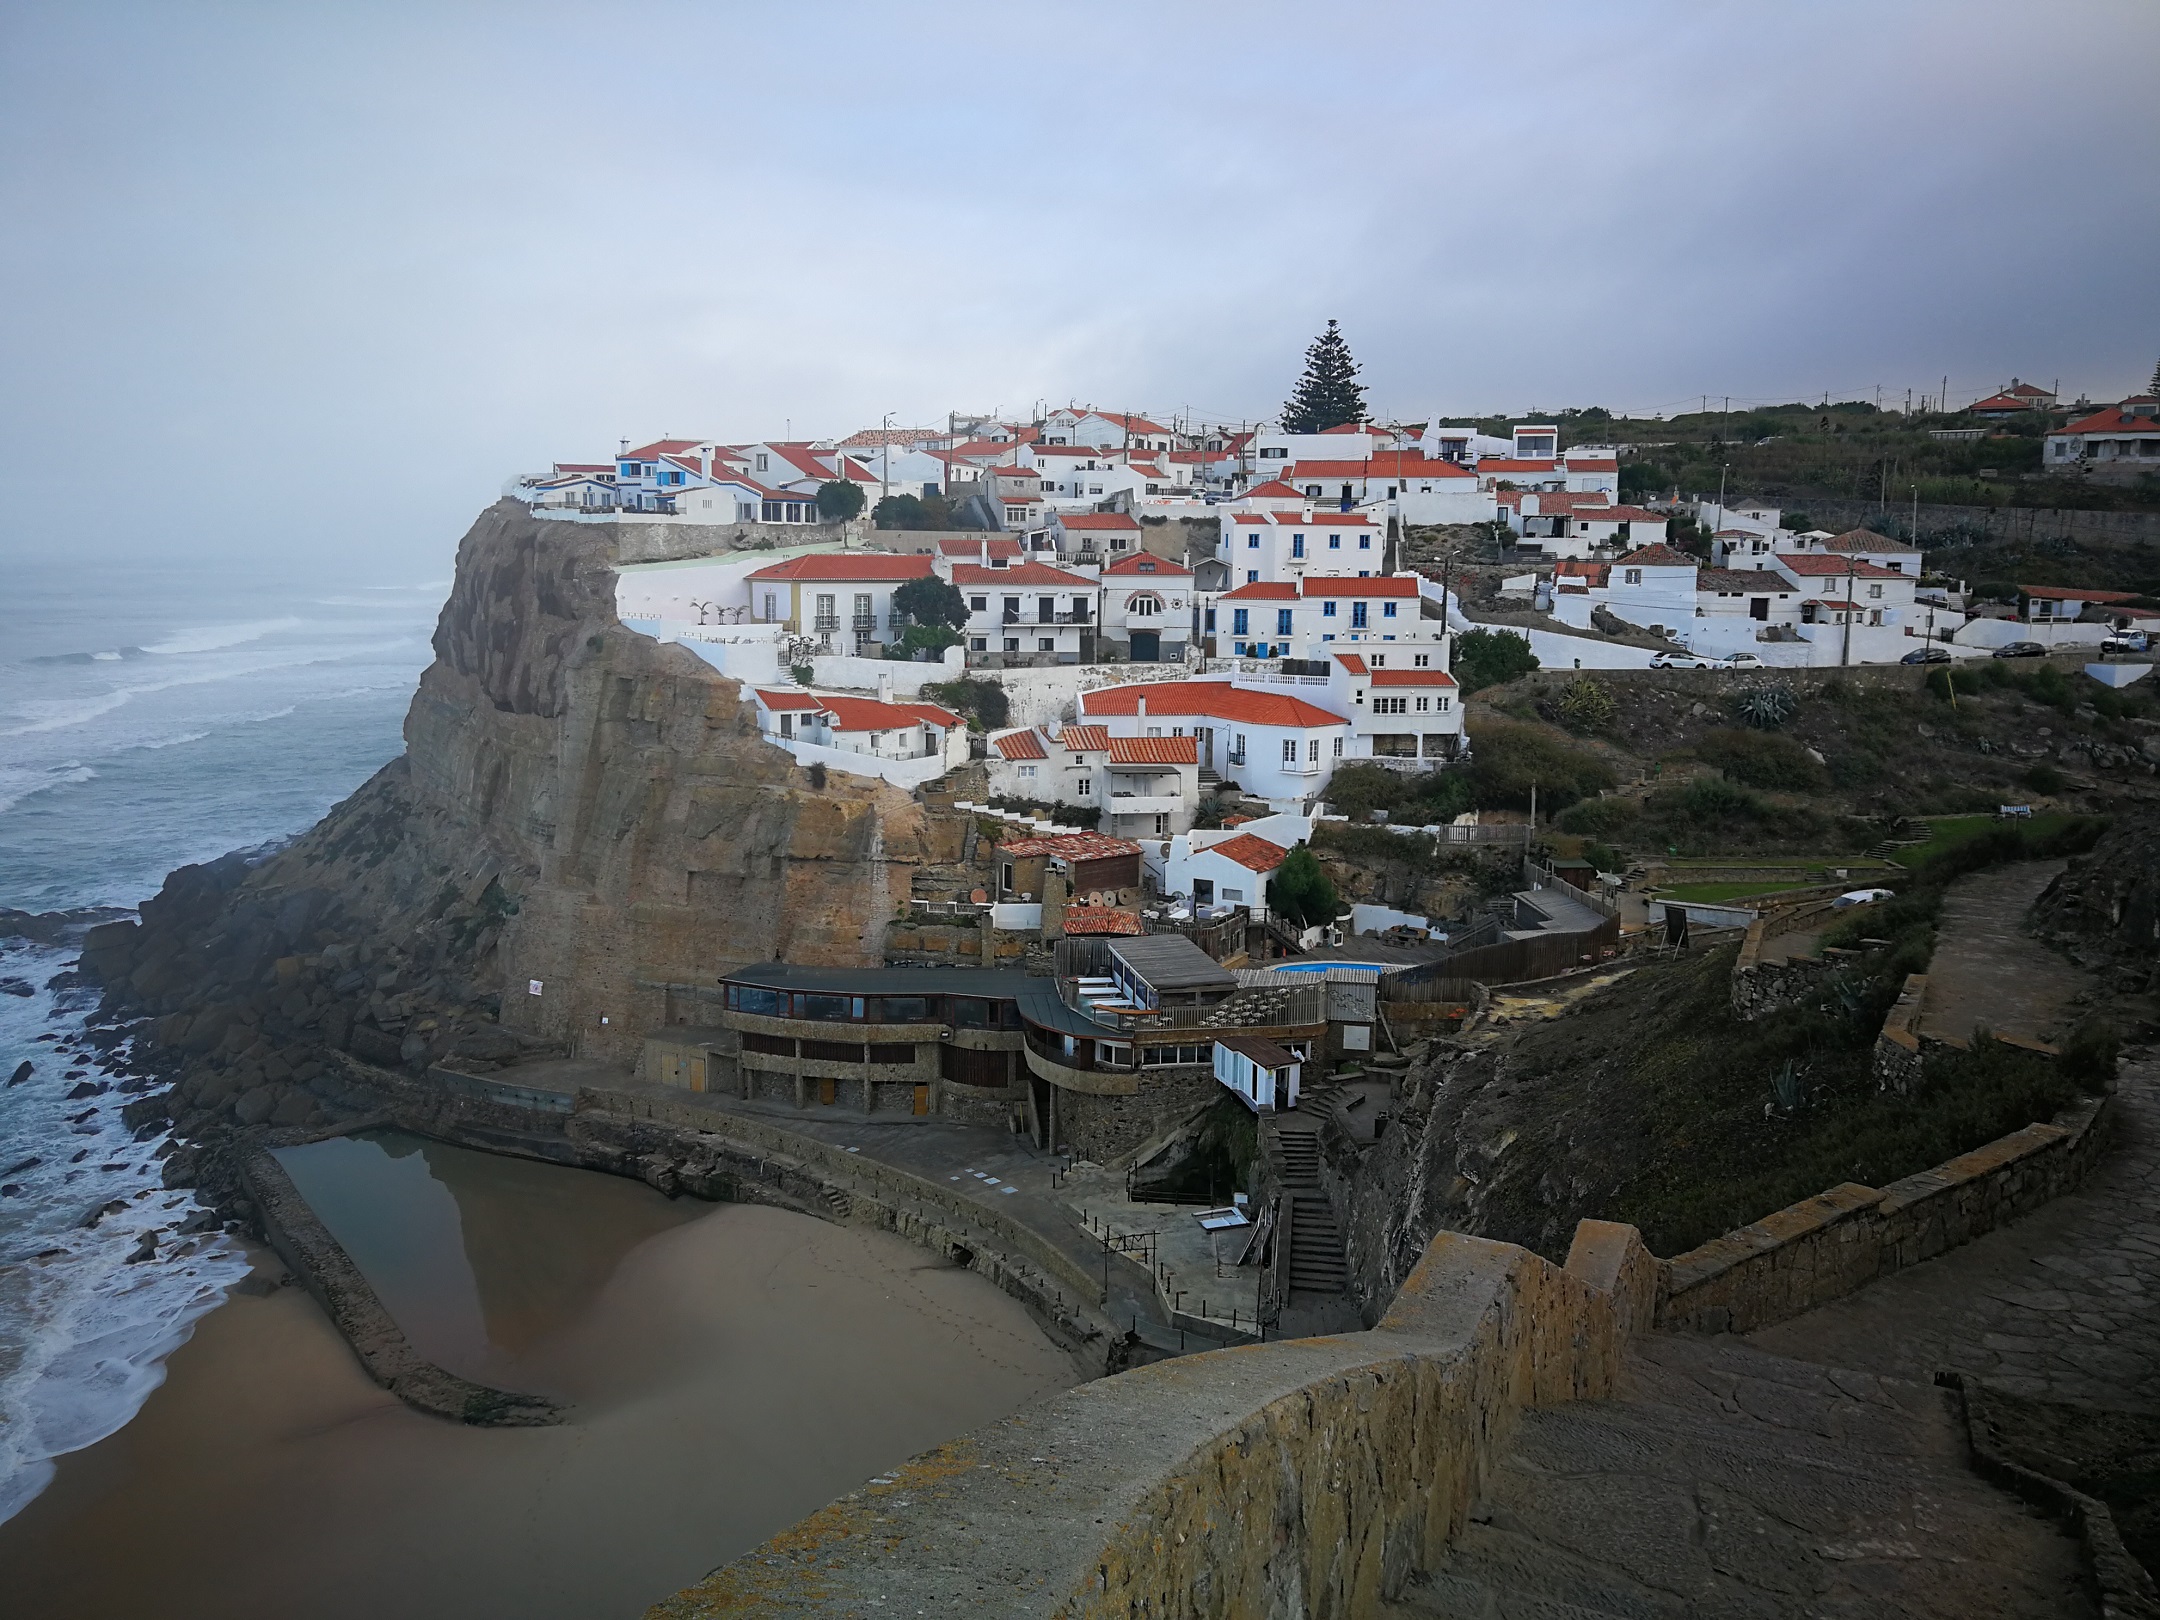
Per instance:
{"type": "Point", "coordinates": [922, 1100]}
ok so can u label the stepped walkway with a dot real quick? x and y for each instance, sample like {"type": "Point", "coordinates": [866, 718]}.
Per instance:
{"type": "Point", "coordinates": [1988, 972]}
{"type": "Point", "coordinates": [1725, 1481]}
{"type": "Point", "coordinates": [2061, 1305]}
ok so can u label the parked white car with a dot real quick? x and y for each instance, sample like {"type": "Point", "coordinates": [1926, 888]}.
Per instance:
{"type": "Point", "coordinates": [1680, 660]}
{"type": "Point", "coordinates": [1862, 897]}
{"type": "Point", "coordinates": [1742, 661]}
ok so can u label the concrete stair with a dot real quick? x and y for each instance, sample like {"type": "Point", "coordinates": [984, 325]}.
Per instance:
{"type": "Point", "coordinates": [1317, 1263]}
{"type": "Point", "coordinates": [1727, 1481]}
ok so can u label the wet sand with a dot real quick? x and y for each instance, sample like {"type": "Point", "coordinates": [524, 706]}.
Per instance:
{"type": "Point", "coordinates": [732, 1371]}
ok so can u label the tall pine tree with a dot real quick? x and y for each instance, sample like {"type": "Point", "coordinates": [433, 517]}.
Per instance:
{"type": "Point", "coordinates": [1328, 394]}
{"type": "Point", "coordinates": [2153, 387]}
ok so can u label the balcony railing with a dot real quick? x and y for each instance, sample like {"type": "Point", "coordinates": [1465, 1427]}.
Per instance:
{"type": "Point", "coordinates": [826, 621]}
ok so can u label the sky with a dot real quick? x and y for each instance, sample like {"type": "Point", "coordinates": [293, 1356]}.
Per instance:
{"type": "Point", "coordinates": [300, 277]}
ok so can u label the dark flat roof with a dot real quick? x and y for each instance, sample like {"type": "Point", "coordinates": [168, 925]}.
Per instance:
{"type": "Point", "coordinates": [999, 984]}
{"type": "Point", "coordinates": [1172, 962]}
{"type": "Point", "coordinates": [1263, 1052]}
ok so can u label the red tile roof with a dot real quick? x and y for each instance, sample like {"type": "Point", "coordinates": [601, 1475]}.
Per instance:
{"type": "Point", "coordinates": [1217, 700]}
{"type": "Point", "coordinates": [974, 548]}
{"type": "Point", "coordinates": [2004, 401]}
{"type": "Point", "coordinates": [847, 565]}
{"type": "Point", "coordinates": [868, 714]}
{"type": "Point", "coordinates": [1085, 739]}
{"type": "Point", "coordinates": [1743, 581]}
{"type": "Point", "coordinates": [1253, 853]}
{"type": "Point", "coordinates": [1608, 514]}
{"type": "Point", "coordinates": [1154, 751]}
{"type": "Point", "coordinates": [1097, 520]}
{"type": "Point", "coordinates": [659, 447]}
{"type": "Point", "coordinates": [1301, 520]}
{"type": "Point", "coordinates": [1263, 590]}
{"type": "Point", "coordinates": [1661, 557]}
{"type": "Point", "coordinates": [1273, 490]}
{"type": "Point", "coordinates": [1412, 677]}
{"type": "Point", "coordinates": [1352, 662]}
{"type": "Point", "coordinates": [2073, 593]}
{"type": "Point", "coordinates": [1819, 567]}
{"type": "Point", "coordinates": [2112, 420]}
{"type": "Point", "coordinates": [1027, 573]}
{"type": "Point", "coordinates": [1089, 921]}
{"type": "Point", "coordinates": [1071, 846]}
{"type": "Point", "coordinates": [1507, 464]}
{"type": "Point", "coordinates": [1146, 563]}
{"type": "Point", "coordinates": [1383, 464]}
{"type": "Point", "coordinates": [1019, 745]}
{"type": "Point", "coordinates": [1574, 568]}
{"type": "Point", "coordinates": [1372, 585]}
{"type": "Point", "coordinates": [789, 700]}
{"type": "Point", "coordinates": [1864, 541]}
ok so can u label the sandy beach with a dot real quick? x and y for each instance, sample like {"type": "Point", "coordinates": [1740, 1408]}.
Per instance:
{"type": "Point", "coordinates": [732, 1370]}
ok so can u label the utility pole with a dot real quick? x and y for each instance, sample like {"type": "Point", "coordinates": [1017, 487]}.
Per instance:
{"type": "Point", "coordinates": [1845, 655]}
{"type": "Point", "coordinates": [1942, 405]}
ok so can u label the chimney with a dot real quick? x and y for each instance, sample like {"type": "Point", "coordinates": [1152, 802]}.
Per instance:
{"type": "Point", "coordinates": [884, 687]}
{"type": "Point", "coordinates": [622, 447]}
{"type": "Point", "coordinates": [983, 547]}
{"type": "Point", "coordinates": [1140, 712]}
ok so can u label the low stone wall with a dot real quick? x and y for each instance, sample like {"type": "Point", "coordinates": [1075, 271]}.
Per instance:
{"type": "Point", "coordinates": [319, 1260]}
{"type": "Point", "coordinates": [1897, 1058]}
{"type": "Point", "coordinates": [1825, 1247]}
{"type": "Point", "coordinates": [1308, 1477]}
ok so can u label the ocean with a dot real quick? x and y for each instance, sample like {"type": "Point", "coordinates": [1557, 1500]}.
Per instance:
{"type": "Point", "coordinates": [156, 708]}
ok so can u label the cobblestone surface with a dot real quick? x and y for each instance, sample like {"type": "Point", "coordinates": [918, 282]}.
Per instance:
{"type": "Point", "coordinates": [2062, 1305]}
{"type": "Point", "coordinates": [1728, 1482]}
{"type": "Point", "coordinates": [1988, 971]}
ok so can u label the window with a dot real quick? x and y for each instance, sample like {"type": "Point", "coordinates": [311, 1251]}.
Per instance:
{"type": "Point", "coordinates": [1046, 643]}
{"type": "Point", "coordinates": [1874, 591]}
{"type": "Point", "coordinates": [1252, 576]}
{"type": "Point", "coordinates": [761, 459]}
{"type": "Point", "coordinates": [1240, 621]}
{"type": "Point", "coordinates": [1012, 644]}
{"type": "Point", "coordinates": [1154, 731]}
{"type": "Point", "coordinates": [1312, 752]}
{"type": "Point", "coordinates": [1387, 611]}
{"type": "Point", "coordinates": [1252, 542]}
{"type": "Point", "coordinates": [1087, 786]}
{"type": "Point", "coordinates": [1144, 605]}
{"type": "Point", "coordinates": [1338, 748]}
{"type": "Point", "coordinates": [1297, 545]}
{"type": "Point", "coordinates": [978, 604]}
{"type": "Point", "coordinates": [1364, 542]}
{"type": "Point", "coordinates": [1289, 751]}
{"type": "Point", "coordinates": [1390, 705]}
{"type": "Point", "coordinates": [1327, 610]}
{"type": "Point", "coordinates": [1334, 542]}
{"type": "Point", "coordinates": [1423, 704]}
{"type": "Point", "coordinates": [1422, 659]}
{"type": "Point", "coordinates": [978, 644]}
{"type": "Point", "coordinates": [1028, 771]}
{"type": "Point", "coordinates": [1312, 491]}
{"type": "Point", "coordinates": [769, 615]}
{"type": "Point", "coordinates": [1282, 621]}
{"type": "Point", "coordinates": [1357, 615]}
{"type": "Point", "coordinates": [1633, 577]}
{"type": "Point", "coordinates": [1273, 453]}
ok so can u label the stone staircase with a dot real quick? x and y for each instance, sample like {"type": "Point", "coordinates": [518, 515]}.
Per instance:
{"type": "Point", "coordinates": [1727, 1481]}
{"type": "Point", "coordinates": [1317, 1263]}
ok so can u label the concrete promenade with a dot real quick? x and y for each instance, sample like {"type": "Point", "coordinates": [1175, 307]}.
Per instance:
{"type": "Point", "coordinates": [1988, 972]}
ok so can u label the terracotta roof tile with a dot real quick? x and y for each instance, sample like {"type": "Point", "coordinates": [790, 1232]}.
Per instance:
{"type": "Point", "coordinates": [1214, 699]}
{"type": "Point", "coordinates": [1091, 921]}
{"type": "Point", "coordinates": [1253, 853]}
{"type": "Point", "coordinates": [1019, 745]}
{"type": "Point", "coordinates": [1084, 739]}
{"type": "Point", "coordinates": [1154, 751]}
{"type": "Point", "coordinates": [1071, 846]}
{"type": "Point", "coordinates": [847, 565]}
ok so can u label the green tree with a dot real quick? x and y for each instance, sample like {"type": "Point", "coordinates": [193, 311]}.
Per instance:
{"type": "Point", "coordinates": [1328, 394]}
{"type": "Point", "coordinates": [1490, 657]}
{"type": "Point", "coordinates": [932, 601]}
{"type": "Point", "coordinates": [899, 512]}
{"type": "Point", "coordinates": [930, 638]}
{"type": "Point", "coordinates": [838, 500]}
{"type": "Point", "coordinates": [1300, 890]}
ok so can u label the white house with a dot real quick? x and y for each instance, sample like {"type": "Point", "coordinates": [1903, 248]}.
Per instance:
{"type": "Point", "coordinates": [1405, 708]}
{"type": "Point", "coordinates": [1653, 587]}
{"type": "Point", "coordinates": [1578, 523]}
{"type": "Point", "coordinates": [1028, 613]}
{"type": "Point", "coordinates": [1283, 620]}
{"type": "Point", "coordinates": [1147, 609]}
{"type": "Point", "coordinates": [1416, 488]}
{"type": "Point", "coordinates": [2125, 435]}
{"type": "Point", "coordinates": [828, 727]}
{"type": "Point", "coordinates": [1013, 495]}
{"type": "Point", "coordinates": [1261, 1074]}
{"type": "Point", "coordinates": [1896, 555]}
{"type": "Point", "coordinates": [1092, 536]}
{"type": "Point", "coordinates": [1838, 585]}
{"type": "Point", "coordinates": [844, 598]}
{"type": "Point", "coordinates": [1287, 545]}
{"type": "Point", "coordinates": [1105, 430]}
{"type": "Point", "coordinates": [1270, 741]}
{"type": "Point", "coordinates": [1222, 869]}
{"type": "Point", "coordinates": [1143, 787]}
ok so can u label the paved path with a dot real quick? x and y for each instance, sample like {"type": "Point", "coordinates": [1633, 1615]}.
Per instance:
{"type": "Point", "coordinates": [1988, 972]}
{"type": "Point", "coordinates": [2062, 1305]}
{"type": "Point", "coordinates": [1727, 1482]}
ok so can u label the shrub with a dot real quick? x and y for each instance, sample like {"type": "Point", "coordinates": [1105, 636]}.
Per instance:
{"type": "Point", "coordinates": [804, 673]}
{"type": "Point", "coordinates": [1509, 757]}
{"type": "Point", "coordinates": [1300, 891]}
{"type": "Point", "coordinates": [983, 701]}
{"type": "Point", "coordinates": [2089, 1056]}
{"type": "Point", "coordinates": [1485, 658]}
{"type": "Point", "coordinates": [931, 601]}
{"type": "Point", "coordinates": [1765, 708]}
{"type": "Point", "coordinates": [2045, 778]}
{"type": "Point", "coordinates": [1599, 817]}
{"type": "Point", "coordinates": [1585, 705]}
{"type": "Point", "coordinates": [1420, 800]}
{"type": "Point", "coordinates": [1761, 759]}
{"type": "Point", "coordinates": [838, 500]}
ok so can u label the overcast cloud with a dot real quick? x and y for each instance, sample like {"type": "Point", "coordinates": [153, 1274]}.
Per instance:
{"type": "Point", "coordinates": [323, 276]}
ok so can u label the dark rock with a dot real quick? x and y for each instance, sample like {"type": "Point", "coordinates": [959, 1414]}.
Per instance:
{"type": "Point", "coordinates": [111, 1206]}
{"type": "Point", "coordinates": [292, 1108]}
{"type": "Point", "coordinates": [17, 987]}
{"type": "Point", "coordinates": [89, 1088]}
{"type": "Point", "coordinates": [25, 1068]}
{"type": "Point", "coordinates": [202, 1220]}
{"type": "Point", "coordinates": [145, 1248]}
{"type": "Point", "coordinates": [147, 1110]}
{"type": "Point", "coordinates": [83, 1117]}
{"type": "Point", "coordinates": [255, 1105]}
{"type": "Point", "coordinates": [20, 1165]}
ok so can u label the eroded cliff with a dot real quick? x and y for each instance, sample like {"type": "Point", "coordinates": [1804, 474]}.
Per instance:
{"type": "Point", "coordinates": [578, 807]}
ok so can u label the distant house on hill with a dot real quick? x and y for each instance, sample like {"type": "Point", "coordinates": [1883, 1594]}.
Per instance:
{"type": "Point", "coordinates": [2015, 400]}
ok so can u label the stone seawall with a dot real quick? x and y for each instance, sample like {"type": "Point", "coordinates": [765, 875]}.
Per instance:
{"type": "Point", "coordinates": [1825, 1247]}
{"type": "Point", "coordinates": [319, 1260]}
{"type": "Point", "coordinates": [1312, 1477]}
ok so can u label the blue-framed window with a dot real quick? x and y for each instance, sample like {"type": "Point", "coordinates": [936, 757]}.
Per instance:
{"type": "Point", "coordinates": [1240, 621]}
{"type": "Point", "coordinates": [1297, 545]}
{"type": "Point", "coordinates": [1334, 542]}
{"type": "Point", "coordinates": [1387, 610]}
{"type": "Point", "coordinates": [1364, 542]}
{"type": "Point", "coordinates": [1327, 610]}
{"type": "Point", "coordinates": [1282, 621]}
{"type": "Point", "coordinates": [1357, 615]}
{"type": "Point", "coordinates": [1252, 542]}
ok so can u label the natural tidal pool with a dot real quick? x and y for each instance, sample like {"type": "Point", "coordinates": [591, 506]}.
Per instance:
{"type": "Point", "coordinates": [730, 1368]}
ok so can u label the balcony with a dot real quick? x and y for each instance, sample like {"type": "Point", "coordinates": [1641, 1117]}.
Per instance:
{"type": "Point", "coordinates": [826, 621]}
{"type": "Point", "coordinates": [1144, 804]}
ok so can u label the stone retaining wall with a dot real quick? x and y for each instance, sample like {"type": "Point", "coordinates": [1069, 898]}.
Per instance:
{"type": "Point", "coordinates": [1825, 1247]}
{"type": "Point", "coordinates": [319, 1260]}
{"type": "Point", "coordinates": [1897, 1058]}
{"type": "Point", "coordinates": [1308, 1477]}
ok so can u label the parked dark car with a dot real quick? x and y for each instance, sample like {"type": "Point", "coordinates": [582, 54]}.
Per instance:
{"type": "Point", "coordinates": [1926, 655]}
{"type": "Point", "coordinates": [2021, 649]}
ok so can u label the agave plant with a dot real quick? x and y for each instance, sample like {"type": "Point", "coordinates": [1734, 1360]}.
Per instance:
{"type": "Point", "coordinates": [1585, 705]}
{"type": "Point", "coordinates": [1766, 708]}
{"type": "Point", "coordinates": [1786, 1085]}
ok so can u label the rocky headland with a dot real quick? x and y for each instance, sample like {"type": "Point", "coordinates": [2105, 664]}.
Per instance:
{"type": "Point", "coordinates": [584, 831]}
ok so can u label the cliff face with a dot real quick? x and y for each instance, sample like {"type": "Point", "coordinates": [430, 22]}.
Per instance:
{"type": "Point", "coordinates": [577, 805]}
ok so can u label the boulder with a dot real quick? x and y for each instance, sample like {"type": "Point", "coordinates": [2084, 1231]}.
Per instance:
{"type": "Point", "coordinates": [255, 1105]}
{"type": "Point", "coordinates": [293, 1108]}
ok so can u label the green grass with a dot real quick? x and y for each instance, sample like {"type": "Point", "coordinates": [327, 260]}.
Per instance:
{"type": "Point", "coordinates": [1948, 832]}
{"type": "Point", "coordinates": [1707, 893]}
{"type": "Point", "coordinates": [1802, 863]}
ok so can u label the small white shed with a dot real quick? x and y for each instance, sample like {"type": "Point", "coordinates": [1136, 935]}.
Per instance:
{"type": "Point", "coordinates": [1264, 1075]}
